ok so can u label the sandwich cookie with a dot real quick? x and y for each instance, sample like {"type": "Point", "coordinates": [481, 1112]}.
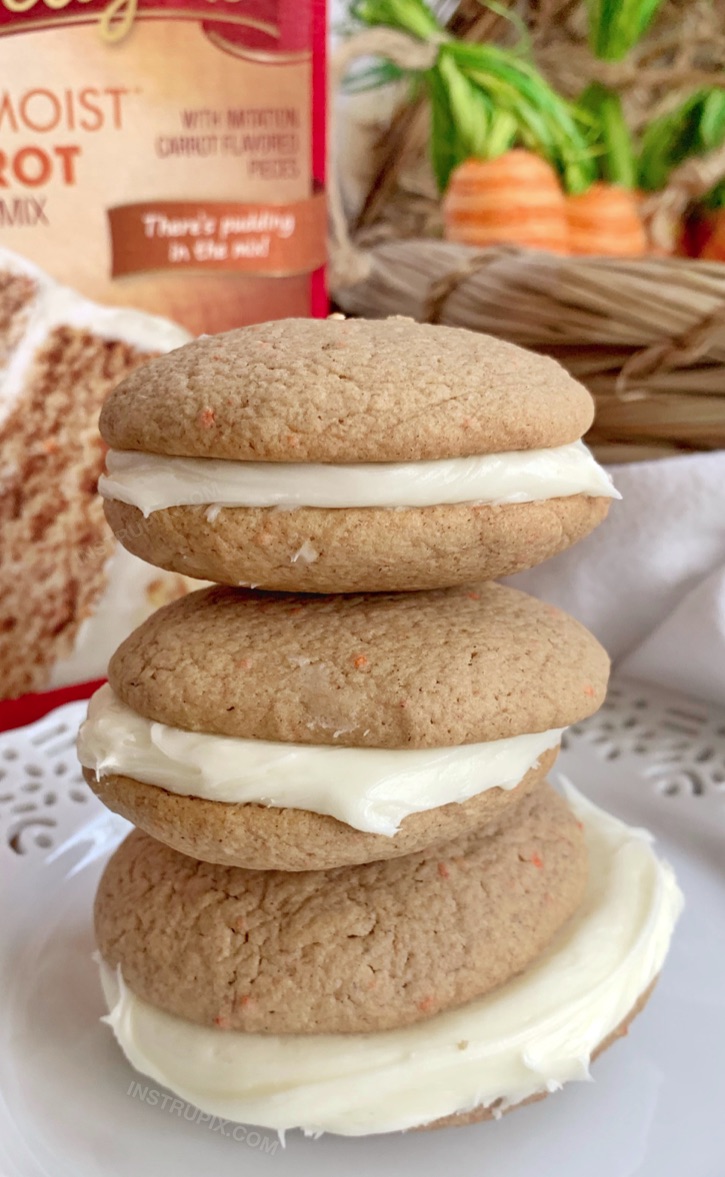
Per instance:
{"type": "Point", "coordinates": [438, 989]}
{"type": "Point", "coordinates": [347, 456]}
{"type": "Point", "coordinates": [304, 733]}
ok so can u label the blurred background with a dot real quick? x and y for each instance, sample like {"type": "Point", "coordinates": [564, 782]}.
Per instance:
{"type": "Point", "coordinates": [550, 172]}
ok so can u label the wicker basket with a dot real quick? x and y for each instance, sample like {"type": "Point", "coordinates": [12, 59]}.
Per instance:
{"type": "Point", "coordinates": [646, 336]}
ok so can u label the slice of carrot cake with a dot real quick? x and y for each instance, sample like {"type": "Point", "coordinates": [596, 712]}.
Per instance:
{"type": "Point", "coordinates": [68, 593]}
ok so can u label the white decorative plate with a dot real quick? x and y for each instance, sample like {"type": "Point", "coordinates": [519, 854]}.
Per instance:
{"type": "Point", "coordinates": [70, 1106]}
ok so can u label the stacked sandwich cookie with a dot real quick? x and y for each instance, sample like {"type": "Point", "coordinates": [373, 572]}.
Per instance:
{"type": "Point", "coordinates": [295, 733]}
{"type": "Point", "coordinates": [352, 903]}
{"type": "Point", "coordinates": [350, 456]}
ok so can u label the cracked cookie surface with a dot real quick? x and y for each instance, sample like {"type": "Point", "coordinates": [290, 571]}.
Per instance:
{"type": "Point", "coordinates": [422, 670]}
{"type": "Point", "coordinates": [357, 949]}
{"type": "Point", "coordinates": [353, 390]}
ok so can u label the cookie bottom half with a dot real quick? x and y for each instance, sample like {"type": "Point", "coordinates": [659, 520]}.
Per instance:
{"type": "Point", "coordinates": [368, 549]}
{"type": "Point", "coordinates": [261, 837]}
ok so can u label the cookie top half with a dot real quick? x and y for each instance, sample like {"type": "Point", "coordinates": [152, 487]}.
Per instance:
{"type": "Point", "coordinates": [353, 390]}
{"type": "Point", "coordinates": [427, 669]}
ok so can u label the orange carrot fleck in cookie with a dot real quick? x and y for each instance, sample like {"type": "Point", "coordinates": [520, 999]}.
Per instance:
{"type": "Point", "coordinates": [245, 663]}
{"type": "Point", "coordinates": [222, 1021]}
{"type": "Point", "coordinates": [244, 1001]}
{"type": "Point", "coordinates": [206, 418]}
{"type": "Point", "coordinates": [443, 871]}
{"type": "Point", "coordinates": [360, 661]}
{"type": "Point", "coordinates": [50, 446]}
{"type": "Point", "coordinates": [536, 861]}
{"type": "Point", "coordinates": [426, 1005]}
{"type": "Point", "coordinates": [589, 690]}
{"type": "Point", "coordinates": [474, 596]}
{"type": "Point", "coordinates": [580, 825]}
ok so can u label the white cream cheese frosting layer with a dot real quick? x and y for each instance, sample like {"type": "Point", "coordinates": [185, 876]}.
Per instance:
{"type": "Point", "coordinates": [529, 1036]}
{"type": "Point", "coordinates": [371, 789]}
{"type": "Point", "coordinates": [153, 482]}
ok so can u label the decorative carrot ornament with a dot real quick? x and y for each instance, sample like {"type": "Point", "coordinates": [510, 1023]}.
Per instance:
{"type": "Point", "coordinates": [695, 128]}
{"type": "Point", "coordinates": [516, 197]}
{"type": "Point", "coordinates": [605, 221]}
{"type": "Point", "coordinates": [697, 228]}
{"type": "Point", "coordinates": [714, 248]}
{"type": "Point", "coordinates": [484, 101]}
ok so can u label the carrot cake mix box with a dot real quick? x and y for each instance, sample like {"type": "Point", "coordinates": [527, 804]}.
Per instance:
{"type": "Point", "coordinates": [161, 176]}
{"type": "Point", "coordinates": [167, 154]}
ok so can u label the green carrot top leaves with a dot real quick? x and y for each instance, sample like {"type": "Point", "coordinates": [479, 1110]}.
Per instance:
{"type": "Point", "coordinates": [694, 128]}
{"type": "Point", "coordinates": [410, 16]}
{"type": "Point", "coordinates": [615, 155]}
{"type": "Point", "coordinates": [615, 26]}
{"type": "Point", "coordinates": [486, 99]}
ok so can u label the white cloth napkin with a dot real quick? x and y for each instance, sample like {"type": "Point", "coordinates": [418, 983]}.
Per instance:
{"type": "Point", "coordinates": [650, 582]}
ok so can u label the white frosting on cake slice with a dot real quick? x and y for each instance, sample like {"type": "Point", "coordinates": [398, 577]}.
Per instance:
{"type": "Point", "coordinates": [54, 305]}
{"type": "Point", "coordinates": [68, 592]}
